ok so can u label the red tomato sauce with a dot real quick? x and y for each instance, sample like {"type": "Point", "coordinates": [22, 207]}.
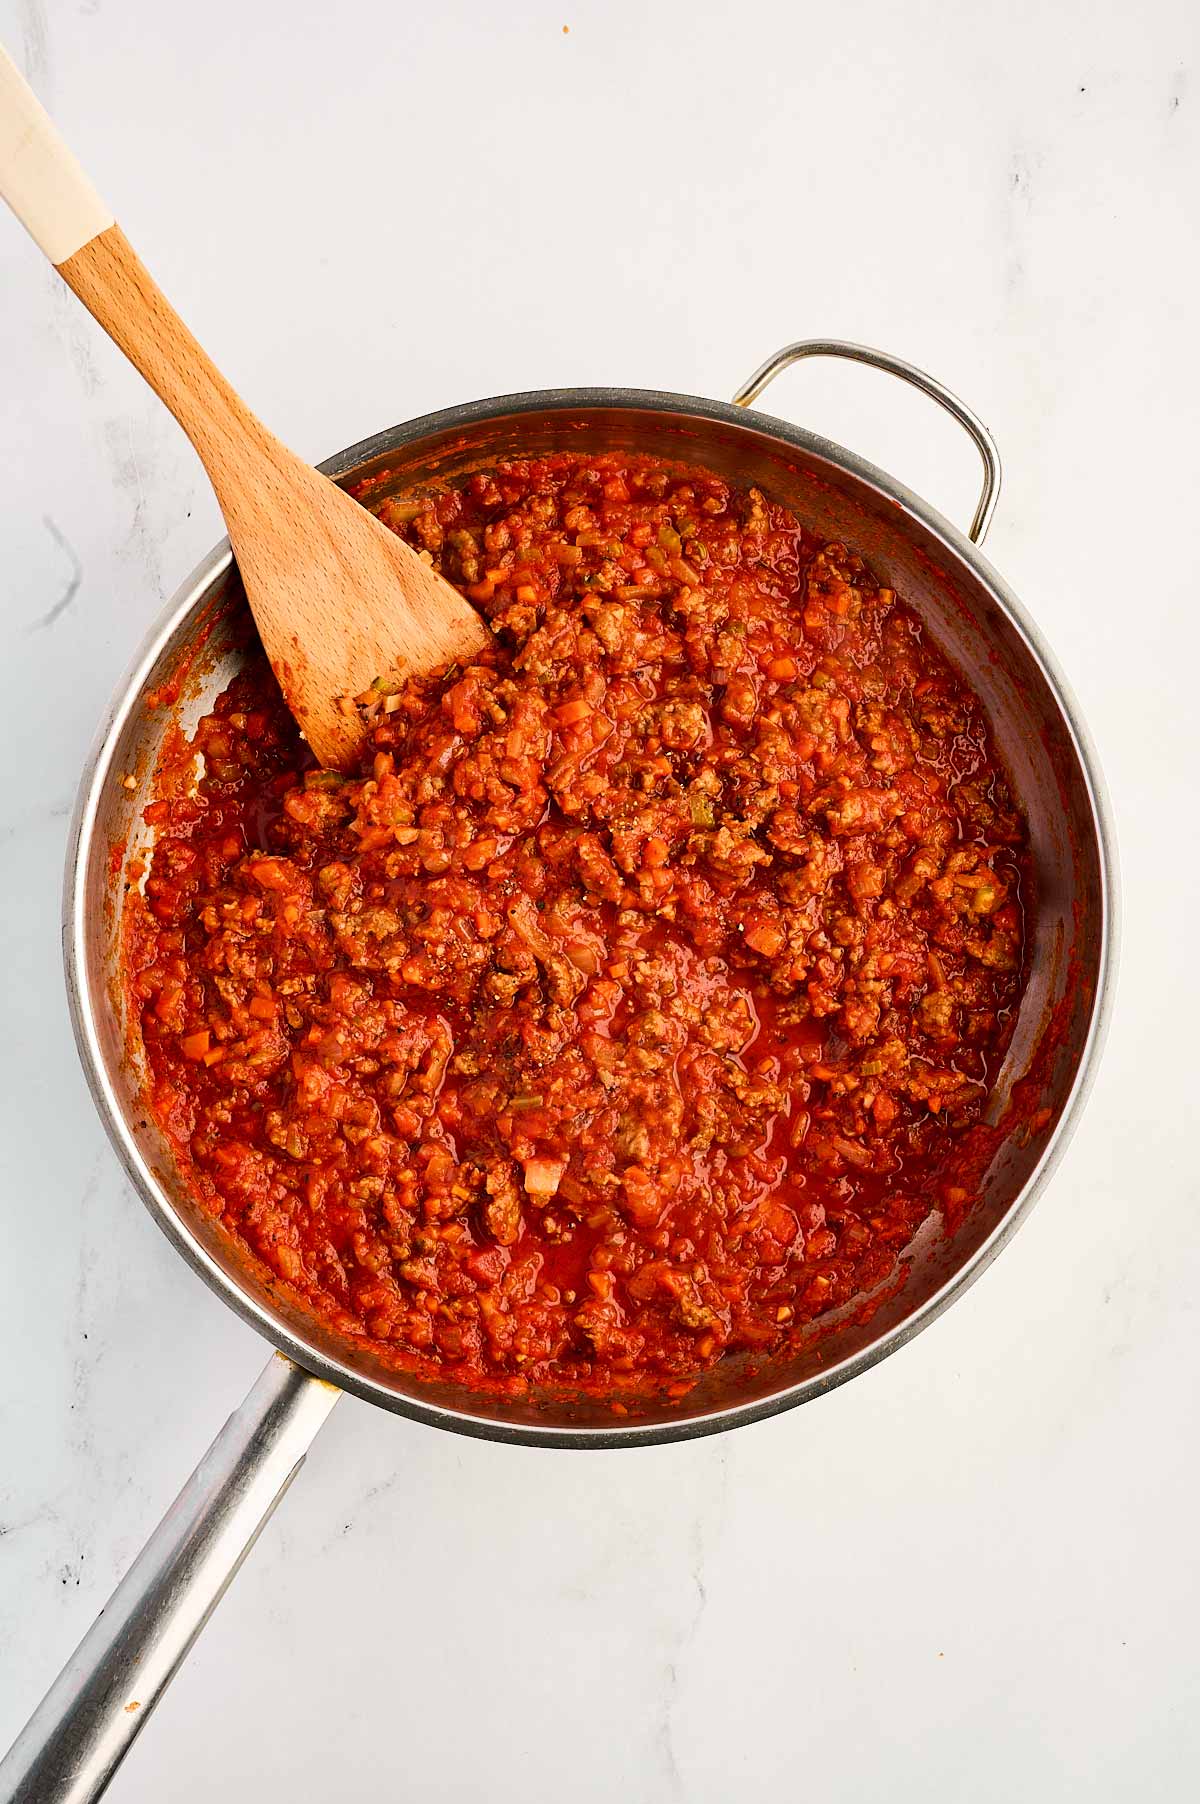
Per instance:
{"type": "Point", "coordinates": [632, 1002]}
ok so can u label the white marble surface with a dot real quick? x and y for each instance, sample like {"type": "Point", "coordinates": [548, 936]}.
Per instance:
{"type": "Point", "coordinates": [973, 1573]}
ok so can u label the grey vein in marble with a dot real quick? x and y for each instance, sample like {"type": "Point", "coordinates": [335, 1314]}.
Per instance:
{"type": "Point", "coordinates": [59, 608]}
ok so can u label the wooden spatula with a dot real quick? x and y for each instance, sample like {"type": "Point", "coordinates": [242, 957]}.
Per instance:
{"type": "Point", "coordinates": [338, 600]}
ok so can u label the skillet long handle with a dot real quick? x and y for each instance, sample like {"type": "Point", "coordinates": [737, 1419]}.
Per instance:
{"type": "Point", "coordinates": [84, 1726]}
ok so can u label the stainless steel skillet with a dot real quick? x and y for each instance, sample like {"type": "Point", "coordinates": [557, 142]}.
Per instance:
{"type": "Point", "coordinates": [80, 1732]}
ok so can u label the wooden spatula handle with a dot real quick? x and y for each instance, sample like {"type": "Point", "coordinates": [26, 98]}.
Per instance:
{"type": "Point", "coordinates": [119, 292]}
{"type": "Point", "coordinates": [52, 197]}
{"type": "Point", "coordinates": [39, 178]}
{"type": "Point", "coordinates": [339, 601]}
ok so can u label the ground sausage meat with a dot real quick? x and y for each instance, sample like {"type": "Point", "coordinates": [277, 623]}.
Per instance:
{"type": "Point", "coordinates": [631, 1002]}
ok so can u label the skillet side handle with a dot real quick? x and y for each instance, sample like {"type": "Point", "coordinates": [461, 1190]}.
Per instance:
{"type": "Point", "coordinates": [907, 372]}
{"type": "Point", "coordinates": [84, 1726]}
